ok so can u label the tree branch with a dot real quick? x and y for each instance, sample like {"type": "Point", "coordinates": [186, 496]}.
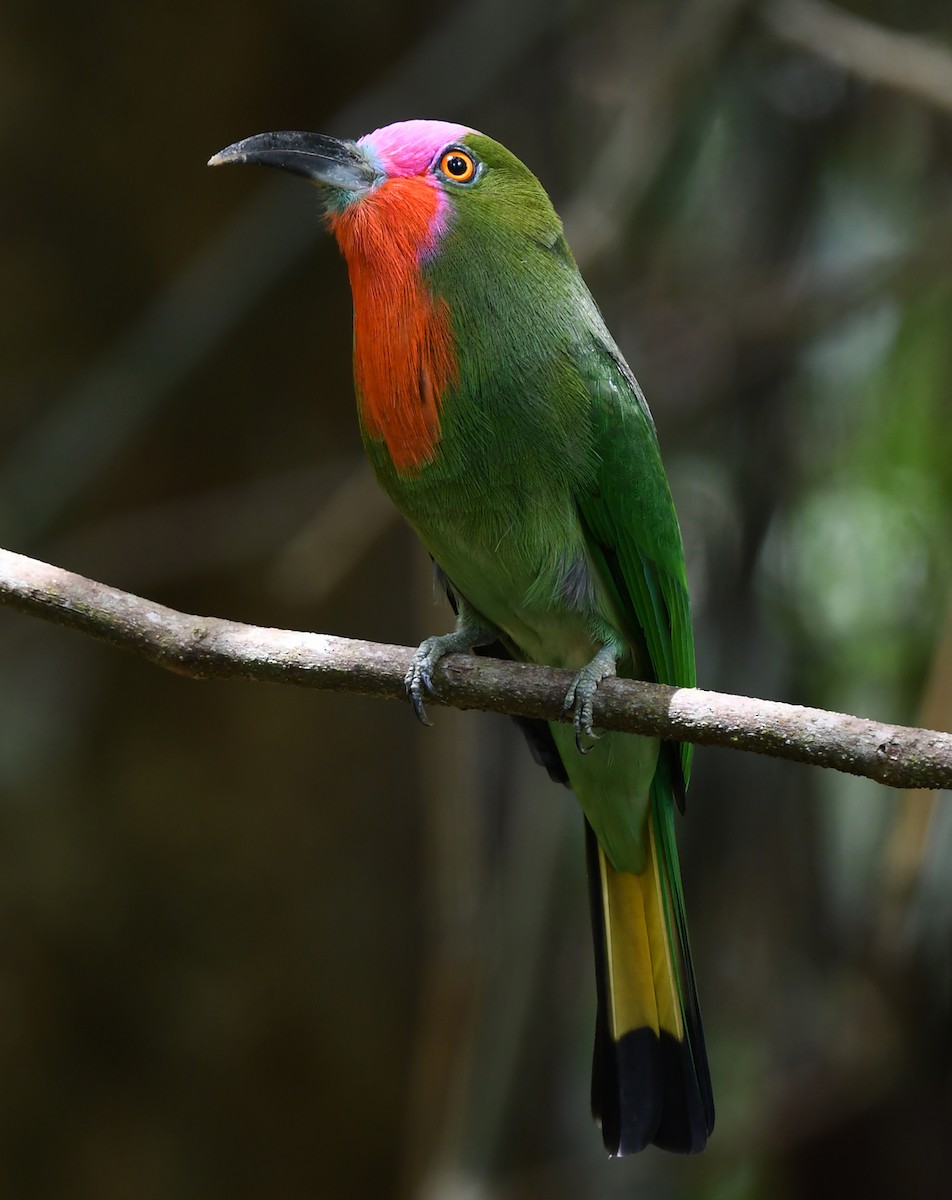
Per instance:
{"type": "Point", "coordinates": [208, 647]}
{"type": "Point", "coordinates": [919, 66]}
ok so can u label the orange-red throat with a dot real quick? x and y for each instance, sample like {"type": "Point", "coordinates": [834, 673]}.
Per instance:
{"type": "Point", "coordinates": [404, 357]}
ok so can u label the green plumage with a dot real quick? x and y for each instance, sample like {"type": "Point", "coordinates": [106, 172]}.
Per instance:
{"type": "Point", "coordinates": [548, 510]}
{"type": "Point", "coordinates": [547, 505]}
{"type": "Point", "coordinates": [532, 474]}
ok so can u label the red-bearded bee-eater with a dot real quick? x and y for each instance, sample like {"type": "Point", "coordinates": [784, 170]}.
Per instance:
{"type": "Point", "coordinates": [502, 419]}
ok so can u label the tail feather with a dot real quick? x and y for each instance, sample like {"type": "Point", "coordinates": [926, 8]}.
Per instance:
{"type": "Point", "coordinates": [698, 1087]}
{"type": "Point", "coordinates": [650, 1079]}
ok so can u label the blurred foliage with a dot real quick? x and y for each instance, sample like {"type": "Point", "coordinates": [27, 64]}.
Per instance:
{"type": "Point", "coordinates": [259, 942]}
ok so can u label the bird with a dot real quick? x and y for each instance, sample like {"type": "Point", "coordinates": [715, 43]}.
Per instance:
{"type": "Point", "coordinates": [503, 421]}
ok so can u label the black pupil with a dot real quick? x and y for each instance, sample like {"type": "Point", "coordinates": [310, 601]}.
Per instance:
{"type": "Point", "coordinates": [456, 165]}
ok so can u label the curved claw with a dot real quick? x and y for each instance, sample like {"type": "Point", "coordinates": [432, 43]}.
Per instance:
{"type": "Point", "coordinates": [581, 696]}
{"type": "Point", "coordinates": [417, 681]}
{"type": "Point", "coordinates": [416, 699]}
{"type": "Point", "coordinates": [590, 733]}
{"type": "Point", "coordinates": [577, 698]}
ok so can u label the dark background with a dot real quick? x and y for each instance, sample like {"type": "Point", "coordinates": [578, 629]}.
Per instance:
{"type": "Point", "coordinates": [259, 941]}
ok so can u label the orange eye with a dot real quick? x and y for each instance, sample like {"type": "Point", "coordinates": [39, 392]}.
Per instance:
{"type": "Point", "coordinates": [458, 166]}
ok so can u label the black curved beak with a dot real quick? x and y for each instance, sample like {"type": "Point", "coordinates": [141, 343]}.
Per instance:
{"type": "Point", "coordinates": [327, 161]}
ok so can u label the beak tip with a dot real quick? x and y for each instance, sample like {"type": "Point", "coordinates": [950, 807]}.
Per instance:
{"type": "Point", "coordinates": [223, 157]}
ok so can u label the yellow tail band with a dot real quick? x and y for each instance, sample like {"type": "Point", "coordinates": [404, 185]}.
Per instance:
{"type": "Point", "coordinates": [642, 980]}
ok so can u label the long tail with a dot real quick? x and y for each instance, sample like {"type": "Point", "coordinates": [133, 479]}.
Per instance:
{"type": "Point", "coordinates": [650, 1078]}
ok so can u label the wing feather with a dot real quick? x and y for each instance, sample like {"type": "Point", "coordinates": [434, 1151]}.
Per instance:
{"type": "Point", "coordinates": [631, 527]}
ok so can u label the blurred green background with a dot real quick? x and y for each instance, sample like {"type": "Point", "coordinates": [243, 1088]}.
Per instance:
{"type": "Point", "coordinates": [257, 941]}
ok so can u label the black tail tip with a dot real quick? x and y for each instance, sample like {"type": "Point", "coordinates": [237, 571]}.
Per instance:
{"type": "Point", "coordinates": [648, 1090]}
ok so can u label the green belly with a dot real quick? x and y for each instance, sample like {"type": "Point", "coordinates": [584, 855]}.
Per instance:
{"type": "Point", "coordinates": [521, 599]}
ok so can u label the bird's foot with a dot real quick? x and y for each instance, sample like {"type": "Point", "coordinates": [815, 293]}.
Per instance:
{"type": "Point", "coordinates": [419, 679]}
{"type": "Point", "coordinates": [581, 695]}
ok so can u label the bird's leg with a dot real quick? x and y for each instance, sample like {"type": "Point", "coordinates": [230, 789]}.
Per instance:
{"type": "Point", "coordinates": [470, 631]}
{"type": "Point", "coordinates": [581, 694]}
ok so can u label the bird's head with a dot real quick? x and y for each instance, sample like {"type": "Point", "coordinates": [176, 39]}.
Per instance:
{"type": "Point", "coordinates": [446, 235]}
{"type": "Point", "coordinates": [406, 186]}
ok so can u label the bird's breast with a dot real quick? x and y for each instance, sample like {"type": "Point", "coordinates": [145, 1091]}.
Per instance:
{"type": "Point", "coordinates": [404, 361]}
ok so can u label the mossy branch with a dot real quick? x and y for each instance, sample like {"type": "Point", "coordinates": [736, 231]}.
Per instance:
{"type": "Point", "coordinates": [211, 648]}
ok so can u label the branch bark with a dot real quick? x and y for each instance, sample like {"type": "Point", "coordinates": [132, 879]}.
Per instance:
{"type": "Point", "coordinates": [209, 647]}
{"type": "Point", "coordinates": [918, 66]}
